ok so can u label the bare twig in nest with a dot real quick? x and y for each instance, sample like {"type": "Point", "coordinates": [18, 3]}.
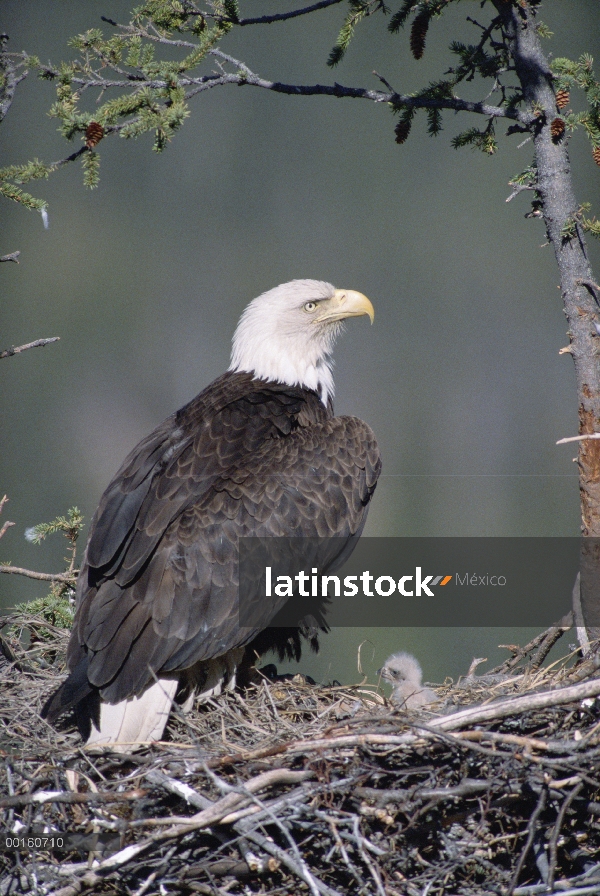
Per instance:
{"type": "Point", "coordinates": [517, 705]}
{"type": "Point", "coordinates": [42, 796]}
{"type": "Point", "coordinates": [556, 831]}
{"type": "Point", "coordinates": [550, 638]}
{"type": "Point", "coordinates": [551, 635]}
{"type": "Point", "coordinates": [532, 830]}
{"type": "Point", "coordinates": [578, 620]}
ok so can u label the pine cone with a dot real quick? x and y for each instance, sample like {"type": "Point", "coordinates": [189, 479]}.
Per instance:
{"type": "Point", "coordinates": [596, 155]}
{"type": "Point", "coordinates": [402, 130]}
{"type": "Point", "coordinates": [557, 129]}
{"type": "Point", "coordinates": [93, 134]}
{"type": "Point", "coordinates": [418, 33]}
{"type": "Point", "coordinates": [562, 98]}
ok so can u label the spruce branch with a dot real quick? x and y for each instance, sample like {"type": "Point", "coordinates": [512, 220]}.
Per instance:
{"type": "Point", "coordinates": [57, 606]}
{"type": "Point", "coordinates": [359, 9]}
{"type": "Point", "coordinates": [70, 525]}
{"type": "Point", "coordinates": [145, 93]}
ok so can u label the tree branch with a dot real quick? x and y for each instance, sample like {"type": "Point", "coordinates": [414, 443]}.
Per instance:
{"type": "Point", "coordinates": [282, 16]}
{"type": "Point", "coordinates": [11, 76]}
{"type": "Point", "coordinates": [39, 343]}
{"type": "Point", "coordinates": [67, 577]}
{"type": "Point", "coordinates": [8, 523]}
{"type": "Point", "coordinates": [244, 76]}
{"type": "Point", "coordinates": [12, 256]}
{"type": "Point", "coordinates": [519, 189]}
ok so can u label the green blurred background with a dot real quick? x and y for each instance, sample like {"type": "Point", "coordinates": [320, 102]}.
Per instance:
{"type": "Point", "coordinates": [144, 280]}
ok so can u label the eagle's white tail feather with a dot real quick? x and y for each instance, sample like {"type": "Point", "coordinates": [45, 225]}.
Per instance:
{"type": "Point", "coordinates": [137, 720]}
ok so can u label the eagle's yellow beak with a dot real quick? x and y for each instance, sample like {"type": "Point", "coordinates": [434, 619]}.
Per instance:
{"type": "Point", "coordinates": [344, 303]}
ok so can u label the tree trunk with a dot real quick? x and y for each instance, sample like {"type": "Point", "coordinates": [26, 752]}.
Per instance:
{"type": "Point", "coordinates": [559, 209]}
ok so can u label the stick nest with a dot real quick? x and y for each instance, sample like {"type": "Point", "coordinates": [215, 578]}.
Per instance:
{"type": "Point", "coordinates": [292, 788]}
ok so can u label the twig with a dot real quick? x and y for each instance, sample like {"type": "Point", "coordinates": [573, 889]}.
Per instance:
{"type": "Point", "coordinates": [42, 576]}
{"type": "Point", "coordinates": [282, 16]}
{"type": "Point", "coordinates": [551, 637]}
{"type": "Point", "coordinates": [75, 155]}
{"type": "Point", "coordinates": [553, 633]}
{"type": "Point", "coordinates": [542, 889]}
{"type": "Point", "coordinates": [532, 832]}
{"type": "Point", "coordinates": [593, 287]}
{"type": "Point", "coordinates": [556, 831]}
{"type": "Point", "coordinates": [518, 189]}
{"type": "Point", "coordinates": [589, 435]}
{"type": "Point", "coordinates": [367, 859]}
{"type": "Point", "coordinates": [12, 256]}
{"type": "Point", "coordinates": [517, 705]}
{"type": "Point", "coordinates": [7, 524]}
{"type": "Point", "coordinates": [466, 788]}
{"type": "Point", "coordinates": [384, 81]}
{"type": "Point", "coordinates": [180, 789]}
{"type": "Point", "coordinates": [578, 620]}
{"type": "Point", "coordinates": [7, 653]}
{"type": "Point", "coordinates": [39, 343]}
{"type": "Point", "coordinates": [519, 740]}
{"type": "Point", "coordinates": [51, 796]}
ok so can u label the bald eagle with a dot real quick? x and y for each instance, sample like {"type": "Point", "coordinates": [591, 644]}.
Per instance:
{"type": "Point", "coordinates": [258, 453]}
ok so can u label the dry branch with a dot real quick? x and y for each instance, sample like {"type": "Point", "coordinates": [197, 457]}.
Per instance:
{"type": "Point", "coordinates": [39, 343]}
{"type": "Point", "coordinates": [41, 576]}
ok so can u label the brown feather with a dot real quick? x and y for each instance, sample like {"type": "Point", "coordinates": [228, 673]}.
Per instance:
{"type": "Point", "coordinates": [157, 592]}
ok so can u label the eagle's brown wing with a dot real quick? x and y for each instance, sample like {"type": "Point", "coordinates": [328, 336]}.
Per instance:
{"type": "Point", "coordinates": [158, 589]}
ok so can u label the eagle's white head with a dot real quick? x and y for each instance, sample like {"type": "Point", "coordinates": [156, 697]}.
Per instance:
{"type": "Point", "coordinates": [287, 334]}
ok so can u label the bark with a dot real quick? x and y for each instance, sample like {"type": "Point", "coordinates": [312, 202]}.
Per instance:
{"type": "Point", "coordinates": [555, 189]}
{"type": "Point", "coordinates": [559, 207]}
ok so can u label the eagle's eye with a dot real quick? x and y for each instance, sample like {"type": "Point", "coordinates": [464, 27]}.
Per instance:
{"type": "Point", "coordinates": [309, 307]}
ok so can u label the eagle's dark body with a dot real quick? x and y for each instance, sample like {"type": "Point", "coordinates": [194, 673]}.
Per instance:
{"type": "Point", "coordinates": [158, 592]}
